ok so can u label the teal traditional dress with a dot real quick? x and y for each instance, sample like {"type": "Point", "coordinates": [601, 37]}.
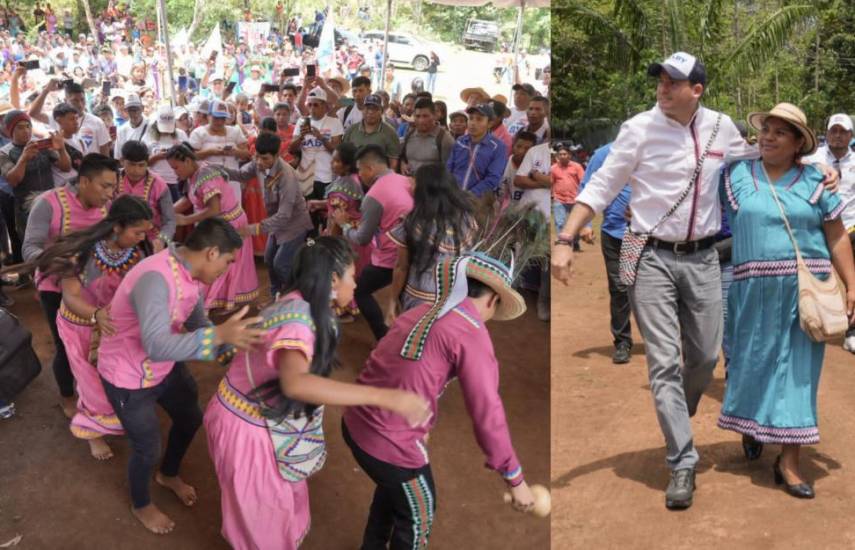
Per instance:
{"type": "Point", "coordinates": [773, 375]}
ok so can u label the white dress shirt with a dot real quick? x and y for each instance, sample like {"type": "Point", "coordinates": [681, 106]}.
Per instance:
{"type": "Point", "coordinates": [657, 155]}
{"type": "Point", "coordinates": [845, 168]}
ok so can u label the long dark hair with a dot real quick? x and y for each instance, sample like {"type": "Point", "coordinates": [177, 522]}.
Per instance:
{"type": "Point", "coordinates": [311, 276]}
{"type": "Point", "coordinates": [440, 208]}
{"type": "Point", "coordinates": [68, 255]}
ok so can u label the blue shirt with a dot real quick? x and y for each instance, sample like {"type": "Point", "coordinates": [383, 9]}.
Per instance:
{"type": "Point", "coordinates": [487, 167]}
{"type": "Point", "coordinates": [614, 216]}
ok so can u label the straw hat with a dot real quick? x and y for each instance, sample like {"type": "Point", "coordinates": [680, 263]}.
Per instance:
{"type": "Point", "coordinates": [791, 114]}
{"type": "Point", "coordinates": [467, 92]}
{"type": "Point", "coordinates": [345, 85]}
{"type": "Point", "coordinates": [452, 290]}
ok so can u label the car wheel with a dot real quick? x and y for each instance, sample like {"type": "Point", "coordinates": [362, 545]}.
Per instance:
{"type": "Point", "coordinates": [421, 63]}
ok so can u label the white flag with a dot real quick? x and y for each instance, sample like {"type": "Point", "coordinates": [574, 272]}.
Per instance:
{"type": "Point", "coordinates": [214, 43]}
{"type": "Point", "coordinates": [326, 47]}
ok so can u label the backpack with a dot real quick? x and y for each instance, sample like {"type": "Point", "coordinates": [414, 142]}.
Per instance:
{"type": "Point", "coordinates": [439, 137]}
{"type": "Point", "coordinates": [18, 362]}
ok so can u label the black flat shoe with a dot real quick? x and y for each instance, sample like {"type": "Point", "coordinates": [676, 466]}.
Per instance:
{"type": "Point", "coordinates": [751, 447]}
{"type": "Point", "coordinates": [800, 490]}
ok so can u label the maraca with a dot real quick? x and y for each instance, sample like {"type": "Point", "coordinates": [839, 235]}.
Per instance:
{"type": "Point", "coordinates": [542, 500]}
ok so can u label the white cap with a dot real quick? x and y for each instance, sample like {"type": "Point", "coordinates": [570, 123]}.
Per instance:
{"type": "Point", "coordinates": [165, 119]}
{"type": "Point", "coordinates": [216, 76]}
{"type": "Point", "coordinates": [133, 100]}
{"type": "Point", "coordinates": [840, 119]}
{"type": "Point", "coordinates": [318, 93]}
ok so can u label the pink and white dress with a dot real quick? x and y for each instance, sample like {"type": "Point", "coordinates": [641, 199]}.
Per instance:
{"type": "Point", "coordinates": [239, 284]}
{"type": "Point", "coordinates": [99, 279]}
{"type": "Point", "coordinates": [260, 508]}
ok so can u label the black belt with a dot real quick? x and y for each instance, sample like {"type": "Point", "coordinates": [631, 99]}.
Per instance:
{"type": "Point", "coordinates": [685, 247]}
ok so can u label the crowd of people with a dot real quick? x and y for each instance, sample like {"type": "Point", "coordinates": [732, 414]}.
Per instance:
{"type": "Point", "coordinates": [139, 219]}
{"type": "Point", "coordinates": [714, 253]}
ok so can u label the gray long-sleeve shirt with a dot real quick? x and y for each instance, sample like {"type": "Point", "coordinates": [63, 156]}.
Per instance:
{"type": "Point", "coordinates": [288, 215]}
{"type": "Point", "coordinates": [150, 300]}
{"type": "Point", "coordinates": [38, 230]}
{"type": "Point", "coordinates": [372, 213]}
{"type": "Point", "coordinates": [167, 215]}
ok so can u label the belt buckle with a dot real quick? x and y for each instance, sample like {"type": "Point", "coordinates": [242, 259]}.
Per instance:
{"type": "Point", "coordinates": [681, 249]}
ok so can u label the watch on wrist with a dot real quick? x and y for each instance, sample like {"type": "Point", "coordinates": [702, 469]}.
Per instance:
{"type": "Point", "coordinates": [562, 242]}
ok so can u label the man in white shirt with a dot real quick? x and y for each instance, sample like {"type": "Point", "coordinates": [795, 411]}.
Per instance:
{"type": "Point", "coordinates": [518, 119]}
{"type": "Point", "coordinates": [135, 128]}
{"type": "Point", "coordinates": [317, 141]}
{"type": "Point", "coordinates": [677, 292]}
{"type": "Point", "coordinates": [352, 114]}
{"type": "Point", "coordinates": [532, 183]}
{"type": "Point", "coordinates": [836, 153]}
{"type": "Point", "coordinates": [219, 144]}
{"type": "Point", "coordinates": [93, 132]}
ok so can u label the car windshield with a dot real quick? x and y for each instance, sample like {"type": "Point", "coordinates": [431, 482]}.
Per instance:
{"type": "Point", "coordinates": [482, 27]}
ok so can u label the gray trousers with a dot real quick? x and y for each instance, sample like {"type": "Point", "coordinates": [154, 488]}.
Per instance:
{"type": "Point", "coordinates": [676, 300]}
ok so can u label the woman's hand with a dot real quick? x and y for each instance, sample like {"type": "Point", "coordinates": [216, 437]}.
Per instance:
{"type": "Point", "coordinates": [105, 323]}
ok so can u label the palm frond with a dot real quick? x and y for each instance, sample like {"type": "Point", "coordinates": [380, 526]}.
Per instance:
{"type": "Point", "coordinates": [764, 39]}
{"type": "Point", "coordinates": [618, 46]}
{"type": "Point", "coordinates": [674, 22]}
{"type": "Point", "coordinates": [710, 23]}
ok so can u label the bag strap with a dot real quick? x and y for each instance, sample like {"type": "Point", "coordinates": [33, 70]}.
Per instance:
{"type": "Point", "coordinates": [698, 166]}
{"type": "Point", "coordinates": [799, 259]}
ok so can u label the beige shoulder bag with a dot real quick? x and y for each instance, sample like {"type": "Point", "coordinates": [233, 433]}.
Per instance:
{"type": "Point", "coordinates": [822, 304]}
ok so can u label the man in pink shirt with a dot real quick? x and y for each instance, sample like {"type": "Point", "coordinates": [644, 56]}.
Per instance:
{"type": "Point", "coordinates": [388, 200]}
{"type": "Point", "coordinates": [423, 351]}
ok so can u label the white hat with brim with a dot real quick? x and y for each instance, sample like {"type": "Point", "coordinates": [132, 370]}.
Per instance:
{"type": "Point", "coordinates": [840, 119]}
{"type": "Point", "coordinates": [792, 114]}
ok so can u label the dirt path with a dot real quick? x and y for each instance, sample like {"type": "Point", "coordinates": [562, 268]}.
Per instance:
{"type": "Point", "coordinates": [57, 496]}
{"type": "Point", "coordinates": [608, 454]}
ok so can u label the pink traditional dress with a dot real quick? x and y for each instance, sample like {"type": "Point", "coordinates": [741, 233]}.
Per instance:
{"type": "Point", "coordinates": [99, 280]}
{"type": "Point", "coordinates": [150, 189]}
{"type": "Point", "coordinates": [68, 215]}
{"type": "Point", "coordinates": [238, 285]}
{"type": "Point", "coordinates": [260, 509]}
{"type": "Point", "coordinates": [346, 193]}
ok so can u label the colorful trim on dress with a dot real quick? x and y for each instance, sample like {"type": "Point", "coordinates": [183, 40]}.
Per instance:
{"type": "Point", "coordinates": [232, 214]}
{"type": "Point", "coordinates": [420, 499]}
{"type": "Point", "coordinates": [104, 425]}
{"type": "Point", "coordinates": [205, 338]}
{"type": "Point", "coordinates": [115, 262]}
{"type": "Point", "coordinates": [238, 403]}
{"type": "Point", "coordinates": [834, 214]}
{"type": "Point", "coordinates": [73, 318]}
{"type": "Point", "coordinates": [239, 299]}
{"type": "Point", "coordinates": [418, 294]}
{"type": "Point", "coordinates": [778, 268]}
{"type": "Point", "coordinates": [473, 321]}
{"type": "Point", "coordinates": [148, 374]}
{"type": "Point", "coordinates": [808, 435]}
{"type": "Point", "coordinates": [446, 274]}
{"type": "Point", "coordinates": [211, 173]}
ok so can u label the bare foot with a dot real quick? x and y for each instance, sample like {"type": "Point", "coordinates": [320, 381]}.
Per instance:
{"type": "Point", "coordinates": [99, 449]}
{"type": "Point", "coordinates": [153, 519]}
{"type": "Point", "coordinates": [68, 406]}
{"type": "Point", "coordinates": [185, 493]}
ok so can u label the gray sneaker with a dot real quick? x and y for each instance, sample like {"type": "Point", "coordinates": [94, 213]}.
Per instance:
{"type": "Point", "coordinates": [678, 495]}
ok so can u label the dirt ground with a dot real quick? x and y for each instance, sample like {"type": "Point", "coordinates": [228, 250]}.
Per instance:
{"type": "Point", "coordinates": [608, 454]}
{"type": "Point", "coordinates": [57, 496]}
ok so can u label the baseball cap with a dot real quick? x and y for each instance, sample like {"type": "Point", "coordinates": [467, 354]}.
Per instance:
{"type": "Point", "coordinates": [317, 93]}
{"type": "Point", "coordinates": [499, 108]}
{"type": "Point", "coordinates": [484, 108]}
{"type": "Point", "coordinates": [681, 66]}
{"type": "Point", "coordinates": [374, 100]}
{"type": "Point", "coordinates": [219, 109]}
{"type": "Point", "coordinates": [133, 100]}
{"type": "Point", "coordinates": [840, 119]}
{"type": "Point", "coordinates": [202, 106]}
{"type": "Point", "coordinates": [457, 114]}
{"type": "Point", "coordinates": [527, 88]}
{"type": "Point", "coordinates": [165, 119]}
{"type": "Point", "coordinates": [216, 76]}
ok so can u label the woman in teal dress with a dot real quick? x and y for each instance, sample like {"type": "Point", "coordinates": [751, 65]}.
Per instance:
{"type": "Point", "coordinates": [774, 368]}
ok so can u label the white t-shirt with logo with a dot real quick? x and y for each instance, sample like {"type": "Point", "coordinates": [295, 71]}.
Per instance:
{"type": "Point", "coordinates": [161, 167]}
{"type": "Point", "coordinates": [538, 159]}
{"type": "Point", "coordinates": [93, 133]}
{"type": "Point", "coordinates": [314, 150]}
{"type": "Point", "coordinates": [516, 121]}
{"type": "Point", "coordinates": [353, 117]}
{"type": "Point", "coordinates": [201, 138]}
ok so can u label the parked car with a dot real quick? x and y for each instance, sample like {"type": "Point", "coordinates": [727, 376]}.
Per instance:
{"type": "Point", "coordinates": [404, 49]}
{"type": "Point", "coordinates": [342, 36]}
{"type": "Point", "coordinates": [481, 34]}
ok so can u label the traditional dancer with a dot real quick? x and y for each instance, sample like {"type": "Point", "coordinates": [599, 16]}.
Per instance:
{"type": "Point", "coordinates": [424, 349]}
{"type": "Point", "coordinates": [440, 226]}
{"type": "Point", "coordinates": [140, 181]}
{"type": "Point", "coordinates": [91, 263]}
{"type": "Point", "coordinates": [159, 321]}
{"type": "Point", "coordinates": [288, 221]}
{"type": "Point", "coordinates": [211, 195]}
{"type": "Point", "coordinates": [269, 393]}
{"type": "Point", "coordinates": [76, 205]}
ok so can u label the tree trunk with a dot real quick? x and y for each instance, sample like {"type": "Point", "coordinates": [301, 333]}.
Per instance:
{"type": "Point", "coordinates": [91, 20]}
{"type": "Point", "coordinates": [197, 14]}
